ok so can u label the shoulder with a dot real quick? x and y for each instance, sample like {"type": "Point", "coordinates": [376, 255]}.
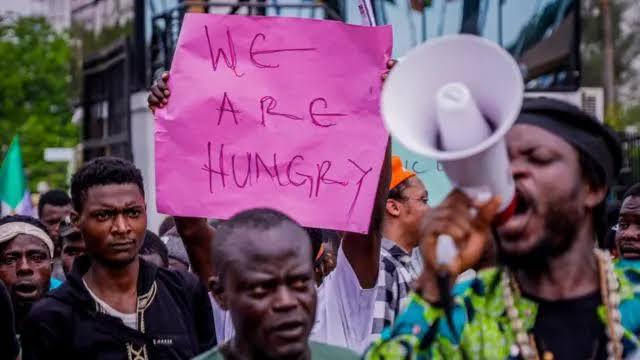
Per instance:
{"type": "Point", "coordinates": [47, 312]}
{"type": "Point", "coordinates": [212, 354]}
{"type": "Point", "coordinates": [179, 279]}
{"type": "Point", "coordinates": [320, 351]}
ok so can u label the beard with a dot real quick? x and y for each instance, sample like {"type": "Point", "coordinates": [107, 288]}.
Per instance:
{"type": "Point", "coordinates": [561, 224]}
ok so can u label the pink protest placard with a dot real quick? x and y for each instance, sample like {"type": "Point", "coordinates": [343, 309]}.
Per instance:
{"type": "Point", "coordinates": [273, 112]}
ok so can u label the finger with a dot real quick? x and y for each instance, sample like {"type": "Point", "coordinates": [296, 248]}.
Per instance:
{"type": "Point", "coordinates": [457, 197]}
{"type": "Point", "coordinates": [428, 250]}
{"type": "Point", "coordinates": [449, 217]}
{"type": "Point", "coordinates": [162, 85]}
{"type": "Point", "coordinates": [157, 92]}
{"type": "Point", "coordinates": [470, 254]}
{"type": "Point", "coordinates": [165, 76]}
{"type": "Point", "coordinates": [385, 75]}
{"type": "Point", "coordinates": [488, 211]}
{"type": "Point", "coordinates": [153, 101]}
{"type": "Point", "coordinates": [391, 63]}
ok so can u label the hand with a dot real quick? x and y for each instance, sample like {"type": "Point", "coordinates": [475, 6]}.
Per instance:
{"type": "Point", "coordinates": [159, 95]}
{"type": "Point", "coordinates": [470, 233]}
{"type": "Point", "coordinates": [390, 64]}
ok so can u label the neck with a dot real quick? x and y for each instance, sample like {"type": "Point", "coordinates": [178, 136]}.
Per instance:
{"type": "Point", "coordinates": [237, 349]}
{"type": "Point", "coordinates": [399, 235]}
{"type": "Point", "coordinates": [113, 279]}
{"type": "Point", "coordinates": [567, 276]}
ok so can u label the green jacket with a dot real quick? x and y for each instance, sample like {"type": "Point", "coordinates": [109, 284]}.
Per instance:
{"type": "Point", "coordinates": [318, 352]}
{"type": "Point", "coordinates": [479, 317]}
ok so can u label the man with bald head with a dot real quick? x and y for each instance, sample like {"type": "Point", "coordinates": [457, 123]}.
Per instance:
{"type": "Point", "coordinates": [266, 281]}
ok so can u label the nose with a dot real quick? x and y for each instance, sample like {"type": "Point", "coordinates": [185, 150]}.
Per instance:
{"type": "Point", "coordinates": [284, 300]}
{"type": "Point", "coordinates": [519, 169]}
{"type": "Point", "coordinates": [22, 267]}
{"type": "Point", "coordinates": [120, 225]}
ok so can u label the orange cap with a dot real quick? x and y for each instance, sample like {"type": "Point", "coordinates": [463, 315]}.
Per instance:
{"type": "Point", "coordinates": [398, 172]}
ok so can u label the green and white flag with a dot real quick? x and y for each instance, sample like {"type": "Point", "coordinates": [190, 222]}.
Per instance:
{"type": "Point", "coordinates": [14, 193]}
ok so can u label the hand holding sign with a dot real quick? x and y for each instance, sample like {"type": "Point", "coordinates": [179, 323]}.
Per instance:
{"type": "Point", "coordinates": [273, 112]}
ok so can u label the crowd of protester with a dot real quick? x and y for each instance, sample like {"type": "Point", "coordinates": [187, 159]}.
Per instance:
{"type": "Point", "coordinates": [88, 280]}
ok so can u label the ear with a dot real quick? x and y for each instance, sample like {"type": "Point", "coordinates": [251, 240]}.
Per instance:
{"type": "Point", "coordinates": [75, 217]}
{"type": "Point", "coordinates": [217, 290]}
{"type": "Point", "coordinates": [595, 196]}
{"type": "Point", "coordinates": [393, 208]}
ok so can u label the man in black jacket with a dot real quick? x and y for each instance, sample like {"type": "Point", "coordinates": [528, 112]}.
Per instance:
{"type": "Point", "coordinates": [115, 305]}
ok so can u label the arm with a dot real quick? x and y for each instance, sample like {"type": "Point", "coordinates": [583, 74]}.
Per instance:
{"type": "Point", "coordinates": [363, 250]}
{"type": "Point", "coordinates": [198, 237]}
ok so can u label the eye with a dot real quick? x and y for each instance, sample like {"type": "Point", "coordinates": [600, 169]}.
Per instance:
{"type": "Point", "coordinates": [71, 252]}
{"type": "Point", "coordinates": [258, 291]}
{"type": "Point", "coordinates": [8, 260]}
{"type": "Point", "coordinates": [38, 258]}
{"type": "Point", "coordinates": [622, 225]}
{"type": "Point", "coordinates": [300, 284]}
{"type": "Point", "coordinates": [102, 215]}
{"type": "Point", "coordinates": [133, 213]}
{"type": "Point", "coordinates": [541, 158]}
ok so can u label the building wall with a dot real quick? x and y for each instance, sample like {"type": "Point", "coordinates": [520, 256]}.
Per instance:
{"type": "Point", "coordinates": [142, 146]}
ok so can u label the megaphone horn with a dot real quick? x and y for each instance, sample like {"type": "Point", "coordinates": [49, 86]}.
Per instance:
{"type": "Point", "coordinates": [453, 99]}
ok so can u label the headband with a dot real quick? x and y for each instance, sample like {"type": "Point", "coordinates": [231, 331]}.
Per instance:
{"type": "Point", "coordinates": [11, 230]}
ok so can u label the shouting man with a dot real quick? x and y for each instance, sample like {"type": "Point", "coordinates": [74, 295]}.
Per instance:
{"type": "Point", "coordinates": [554, 295]}
{"type": "Point", "coordinates": [26, 251]}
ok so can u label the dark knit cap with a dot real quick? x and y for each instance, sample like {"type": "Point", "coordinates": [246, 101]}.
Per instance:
{"type": "Point", "coordinates": [581, 130]}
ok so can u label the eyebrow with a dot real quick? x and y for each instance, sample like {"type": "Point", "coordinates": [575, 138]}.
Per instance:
{"type": "Point", "coordinates": [105, 206]}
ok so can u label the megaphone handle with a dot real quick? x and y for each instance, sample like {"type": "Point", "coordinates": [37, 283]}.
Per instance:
{"type": "Point", "coordinates": [446, 249]}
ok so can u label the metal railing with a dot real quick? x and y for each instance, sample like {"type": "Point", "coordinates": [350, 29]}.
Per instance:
{"type": "Point", "coordinates": [165, 27]}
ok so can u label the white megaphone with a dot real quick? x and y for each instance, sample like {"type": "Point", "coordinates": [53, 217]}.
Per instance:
{"type": "Point", "coordinates": [453, 99]}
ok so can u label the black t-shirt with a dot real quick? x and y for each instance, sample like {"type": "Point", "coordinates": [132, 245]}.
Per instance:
{"type": "Point", "coordinates": [570, 329]}
{"type": "Point", "coordinates": [9, 348]}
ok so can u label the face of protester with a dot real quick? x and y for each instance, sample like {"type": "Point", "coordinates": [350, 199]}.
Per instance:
{"type": "Point", "coordinates": [411, 210]}
{"type": "Point", "coordinates": [71, 249]}
{"type": "Point", "coordinates": [113, 223]}
{"type": "Point", "coordinates": [52, 216]}
{"type": "Point", "coordinates": [25, 268]}
{"type": "Point", "coordinates": [628, 233]}
{"type": "Point", "coordinates": [269, 290]}
{"type": "Point", "coordinates": [553, 198]}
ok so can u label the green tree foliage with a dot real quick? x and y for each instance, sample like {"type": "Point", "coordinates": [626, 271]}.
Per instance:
{"type": "Point", "coordinates": [626, 38]}
{"type": "Point", "coordinates": [35, 95]}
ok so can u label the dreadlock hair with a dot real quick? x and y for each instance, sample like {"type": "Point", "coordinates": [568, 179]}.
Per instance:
{"type": "Point", "coordinates": [103, 171]}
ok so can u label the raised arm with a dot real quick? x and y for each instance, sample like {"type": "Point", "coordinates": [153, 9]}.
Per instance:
{"type": "Point", "coordinates": [198, 236]}
{"type": "Point", "coordinates": [363, 250]}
